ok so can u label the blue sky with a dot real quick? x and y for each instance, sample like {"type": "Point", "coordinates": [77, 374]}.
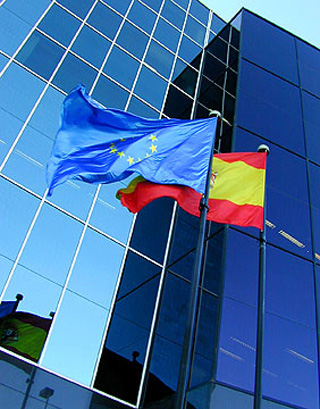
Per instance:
{"type": "Point", "coordinates": [300, 17]}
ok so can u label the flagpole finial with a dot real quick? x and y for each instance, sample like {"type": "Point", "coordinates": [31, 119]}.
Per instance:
{"type": "Point", "coordinates": [264, 148]}
{"type": "Point", "coordinates": [214, 112]}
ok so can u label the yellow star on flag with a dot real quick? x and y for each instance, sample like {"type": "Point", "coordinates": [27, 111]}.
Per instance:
{"type": "Point", "coordinates": [153, 138]}
{"type": "Point", "coordinates": [130, 160]}
{"type": "Point", "coordinates": [120, 154]}
{"type": "Point", "coordinates": [153, 148]}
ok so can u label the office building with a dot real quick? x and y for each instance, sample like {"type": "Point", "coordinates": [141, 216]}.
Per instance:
{"type": "Point", "coordinates": [105, 292]}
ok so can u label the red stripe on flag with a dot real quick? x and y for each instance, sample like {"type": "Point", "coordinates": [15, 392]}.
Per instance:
{"type": "Point", "coordinates": [255, 159]}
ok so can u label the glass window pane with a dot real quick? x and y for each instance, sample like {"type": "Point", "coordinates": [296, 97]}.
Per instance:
{"type": "Point", "coordinates": [72, 73]}
{"type": "Point", "coordinates": [185, 77]}
{"type": "Point", "coordinates": [154, 4]}
{"type": "Point", "coordinates": [309, 64]}
{"type": "Point", "coordinates": [121, 67]}
{"type": "Point", "coordinates": [142, 17]}
{"type": "Point", "coordinates": [5, 268]}
{"type": "Point", "coordinates": [47, 115]}
{"type": "Point", "coordinates": [217, 23]}
{"type": "Point", "coordinates": [27, 163]}
{"type": "Point", "coordinates": [200, 11]}
{"type": "Point", "coordinates": [189, 51]}
{"type": "Point", "coordinates": [105, 20]}
{"type": "Point", "coordinates": [195, 30]}
{"type": "Point", "coordinates": [160, 59]}
{"type": "Point", "coordinates": [109, 215]}
{"type": "Point", "coordinates": [138, 107]}
{"type": "Point", "coordinates": [12, 31]}
{"type": "Point", "coordinates": [152, 95]}
{"type": "Point", "coordinates": [290, 287]}
{"type": "Point", "coordinates": [237, 345]}
{"type": "Point", "coordinates": [110, 94]}
{"type": "Point", "coordinates": [10, 127]}
{"type": "Point", "coordinates": [167, 35]}
{"type": "Point", "coordinates": [290, 363]}
{"type": "Point", "coordinates": [80, 8]}
{"type": "Point", "coordinates": [156, 216]}
{"type": "Point", "coordinates": [59, 24]}
{"type": "Point", "coordinates": [121, 6]}
{"type": "Point", "coordinates": [173, 14]}
{"type": "Point", "coordinates": [226, 398]}
{"type": "Point", "coordinates": [311, 112]}
{"type": "Point", "coordinates": [25, 12]}
{"type": "Point", "coordinates": [17, 209]}
{"type": "Point", "coordinates": [40, 54]}
{"type": "Point", "coordinates": [178, 104]}
{"type": "Point", "coordinates": [132, 40]}
{"type": "Point", "coordinates": [263, 96]}
{"type": "Point", "coordinates": [83, 46]}
{"type": "Point", "coordinates": [258, 40]}
{"type": "Point", "coordinates": [48, 252]}
{"type": "Point", "coordinates": [75, 339]}
{"type": "Point", "coordinates": [121, 362]}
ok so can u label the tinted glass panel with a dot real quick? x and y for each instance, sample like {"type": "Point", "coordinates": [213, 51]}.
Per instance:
{"type": "Point", "coordinates": [188, 51]}
{"type": "Point", "coordinates": [83, 46]}
{"type": "Point", "coordinates": [105, 20]}
{"type": "Point", "coordinates": [184, 77]}
{"type": "Point", "coordinates": [263, 96]}
{"type": "Point", "coordinates": [120, 6]}
{"type": "Point", "coordinates": [59, 24]}
{"type": "Point", "coordinates": [140, 108]}
{"type": "Point", "coordinates": [195, 30]}
{"type": "Point", "coordinates": [160, 59]}
{"type": "Point", "coordinates": [74, 72]}
{"type": "Point", "coordinates": [167, 35]}
{"type": "Point", "coordinates": [133, 40]}
{"type": "Point", "coordinates": [311, 112]}
{"type": "Point", "coordinates": [78, 7]}
{"type": "Point", "coordinates": [24, 11]}
{"type": "Point", "coordinates": [258, 45]}
{"type": "Point", "coordinates": [109, 94]}
{"type": "Point", "coordinates": [121, 67]}
{"type": "Point", "coordinates": [152, 95]}
{"type": "Point", "coordinates": [12, 31]}
{"type": "Point", "coordinates": [309, 64]}
{"type": "Point", "coordinates": [173, 14]}
{"type": "Point", "coordinates": [154, 4]}
{"type": "Point", "coordinates": [199, 11]}
{"type": "Point", "coordinates": [142, 17]}
{"type": "Point", "coordinates": [40, 55]}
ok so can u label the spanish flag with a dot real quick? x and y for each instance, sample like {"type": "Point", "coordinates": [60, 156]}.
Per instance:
{"type": "Point", "coordinates": [24, 334]}
{"type": "Point", "coordinates": [236, 192]}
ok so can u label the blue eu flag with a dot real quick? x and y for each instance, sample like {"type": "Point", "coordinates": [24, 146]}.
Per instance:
{"type": "Point", "coordinates": [98, 145]}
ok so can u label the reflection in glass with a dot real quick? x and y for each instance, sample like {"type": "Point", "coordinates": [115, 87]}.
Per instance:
{"type": "Point", "coordinates": [105, 20]}
{"type": "Point", "coordinates": [110, 94]}
{"type": "Point", "coordinates": [142, 17]}
{"type": "Point", "coordinates": [195, 30]}
{"type": "Point", "coordinates": [167, 35]}
{"type": "Point", "coordinates": [12, 31]}
{"type": "Point", "coordinates": [154, 95]}
{"type": "Point", "coordinates": [78, 7]}
{"type": "Point", "coordinates": [132, 40]}
{"type": "Point", "coordinates": [173, 14]}
{"type": "Point", "coordinates": [139, 108]}
{"type": "Point", "coordinates": [159, 58]}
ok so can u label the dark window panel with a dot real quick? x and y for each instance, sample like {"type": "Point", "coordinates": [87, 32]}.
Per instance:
{"type": "Point", "coordinates": [142, 17]}
{"type": "Point", "coordinates": [105, 20]}
{"type": "Point", "coordinates": [218, 48]}
{"type": "Point", "coordinates": [290, 363]}
{"type": "Point", "coordinates": [120, 366]}
{"type": "Point", "coordinates": [110, 94]}
{"type": "Point", "coordinates": [258, 45]}
{"type": "Point", "coordinates": [83, 46]}
{"type": "Point", "coordinates": [309, 65]}
{"type": "Point", "coordinates": [60, 25]}
{"type": "Point", "coordinates": [185, 77]}
{"type": "Point", "coordinates": [235, 38]}
{"type": "Point", "coordinates": [195, 30]}
{"type": "Point", "coordinates": [214, 69]}
{"type": "Point", "coordinates": [72, 73]}
{"type": "Point", "coordinates": [264, 96]}
{"type": "Point", "coordinates": [121, 67]}
{"type": "Point", "coordinates": [40, 54]}
{"type": "Point", "coordinates": [156, 216]}
{"type": "Point", "coordinates": [167, 35]}
{"type": "Point", "coordinates": [210, 95]}
{"type": "Point", "coordinates": [174, 14]}
{"type": "Point", "coordinates": [237, 345]}
{"type": "Point", "coordinates": [225, 33]}
{"type": "Point", "coordinates": [311, 112]}
{"type": "Point", "coordinates": [178, 105]}
{"type": "Point", "coordinates": [152, 95]}
{"type": "Point", "coordinates": [132, 40]}
{"type": "Point", "coordinates": [80, 8]}
{"type": "Point", "coordinates": [214, 261]}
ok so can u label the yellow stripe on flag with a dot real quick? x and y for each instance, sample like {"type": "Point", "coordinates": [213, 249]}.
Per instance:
{"type": "Point", "coordinates": [237, 182]}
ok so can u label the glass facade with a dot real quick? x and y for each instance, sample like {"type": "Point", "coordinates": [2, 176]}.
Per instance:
{"type": "Point", "coordinates": [99, 296]}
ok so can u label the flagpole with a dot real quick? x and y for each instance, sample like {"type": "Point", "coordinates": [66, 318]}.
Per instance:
{"type": "Point", "coordinates": [261, 304]}
{"type": "Point", "coordinates": [188, 341]}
